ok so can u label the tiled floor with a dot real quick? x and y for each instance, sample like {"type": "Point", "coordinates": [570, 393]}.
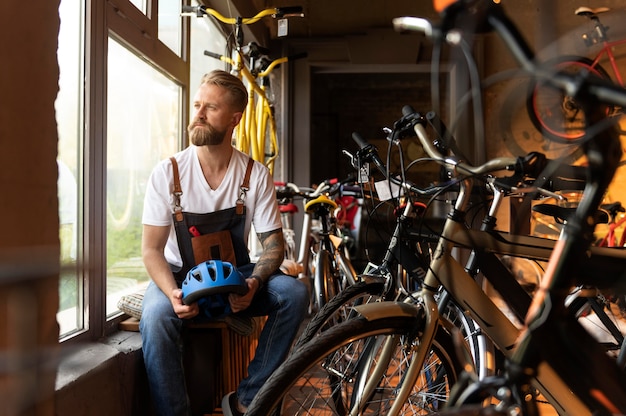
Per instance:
{"type": "Point", "coordinates": [545, 409]}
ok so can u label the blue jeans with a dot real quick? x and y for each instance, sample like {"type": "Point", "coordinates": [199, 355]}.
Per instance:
{"type": "Point", "coordinates": [284, 300]}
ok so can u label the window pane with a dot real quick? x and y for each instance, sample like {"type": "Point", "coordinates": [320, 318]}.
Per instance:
{"type": "Point", "coordinates": [170, 24]}
{"type": "Point", "coordinates": [205, 35]}
{"type": "Point", "coordinates": [143, 111]}
{"type": "Point", "coordinates": [70, 163]}
{"type": "Point", "coordinates": [141, 5]}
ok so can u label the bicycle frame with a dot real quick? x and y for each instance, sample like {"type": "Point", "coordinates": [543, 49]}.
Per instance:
{"type": "Point", "coordinates": [599, 35]}
{"type": "Point", "coordinates": [258, 117]}
{"type": "Point", "coordinates": [256, 135]}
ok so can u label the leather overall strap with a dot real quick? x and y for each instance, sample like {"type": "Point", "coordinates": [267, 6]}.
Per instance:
{"type": "Point", "coordinates": [245, 186]}
{"type": "Point", "coordinates": [178, 192]}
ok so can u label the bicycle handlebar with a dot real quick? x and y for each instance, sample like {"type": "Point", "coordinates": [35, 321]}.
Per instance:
{"type": "Point", "coordinates": [279, 61]}
{"type": "Point", "coordinates": [500, 163]}
{"type": "Point", "coordinates": [289, 191]}
{"type": "Point", "coordinates": [369, 152]}
{"type": "Point", "coordinates": [275, 12]}
{"type": "Point", "coordinates": [550, 174]}
{"type": "Point", "coordinates": [259, 74]}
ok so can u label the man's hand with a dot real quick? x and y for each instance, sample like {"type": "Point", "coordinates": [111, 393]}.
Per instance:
{"type": "Point", "coordinates": [240, 302]}
{"type": "Point", "coordinates": [183, 311]}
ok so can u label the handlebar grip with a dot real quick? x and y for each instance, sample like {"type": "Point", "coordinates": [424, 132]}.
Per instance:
{"type": "Point", "coordinates": [352, 189]}
{"type": "Point", "coordinates": [213, 54]}
{"type": "Point", "coordinates": [360, 141]}
{"type": "Point", "coordinates": [407, 110]}
{"type": "Point", "coordinates": [199, 11]}
{"type": "Point", "coordinates": [298, 56]}
{"type": "Point", "coordinates": [294, 11]}
{"type": "Point", "coordinates": [413, 24]}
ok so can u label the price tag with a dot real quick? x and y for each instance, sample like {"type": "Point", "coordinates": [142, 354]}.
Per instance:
{"type": "Point", "coordinates": [364, 173]}
{"type": "Point", "coordinates": [384, 192]}
{"type": "Point", "coordinates": [283, 27]}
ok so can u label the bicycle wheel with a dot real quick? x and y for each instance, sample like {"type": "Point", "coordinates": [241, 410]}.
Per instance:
{"type": "Point", "coordinates": [340, 308]}
{"type": "Point", "coordinates": [480, 347]}
{"type": "Point", "coordinates": [603, 319]}
{"type": "Point", "coordinates": [555, 114]}
{"type": "Point", "coordinates": [325, 376]}
{"type": "Point", "coordinates": [325, 284]}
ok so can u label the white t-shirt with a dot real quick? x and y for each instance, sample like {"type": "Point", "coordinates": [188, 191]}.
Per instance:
{"type": "Point", "coordinates": [199, 198]}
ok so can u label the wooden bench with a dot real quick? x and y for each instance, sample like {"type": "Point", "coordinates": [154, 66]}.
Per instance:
{"type": "Point", "coordinates": [212, 369]}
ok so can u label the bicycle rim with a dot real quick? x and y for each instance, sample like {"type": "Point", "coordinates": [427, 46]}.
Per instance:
{"type": "Point", "coordinates": [480, 347]}
{"type": "Point", "coordinates": [322, 378]}
{"type": "Point", "coordinates": [323, 280]}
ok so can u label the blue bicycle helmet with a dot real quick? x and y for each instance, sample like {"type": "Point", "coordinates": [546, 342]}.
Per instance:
{"type": "Point", "coordinates": [213, 279]}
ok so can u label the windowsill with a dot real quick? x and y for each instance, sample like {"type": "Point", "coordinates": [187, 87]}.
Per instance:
{"type": "Point", "coordinates": [83, 359]}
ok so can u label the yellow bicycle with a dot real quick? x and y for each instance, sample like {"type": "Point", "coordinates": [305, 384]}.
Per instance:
{"type": "Point", "coordinates": [256, 135]}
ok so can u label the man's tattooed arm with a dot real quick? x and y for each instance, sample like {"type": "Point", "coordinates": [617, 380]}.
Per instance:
{"type": "Point", "coordinates": [273, 253]}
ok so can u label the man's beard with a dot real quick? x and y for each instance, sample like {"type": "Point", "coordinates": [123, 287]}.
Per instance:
{"type": "Point", "coordinates": [205, 134]}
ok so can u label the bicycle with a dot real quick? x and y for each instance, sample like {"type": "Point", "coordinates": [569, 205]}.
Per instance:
{"type": "Point", "coordinates": [610, 239]}
{"type": "Point", "coordinates": [558, 115]}
{"type": "Point", "coordinates": [402, 269]}
{"type": "Point", "coordinates": [383, 319]}
{"type": "Point", "coordinates": [601, 388]}
{"type": "Point", "coordinates": [257, 134]}
{"type": "Point", "coordinates": [410, 323]}
{"type": "Point", "coordinates": [323, 260]}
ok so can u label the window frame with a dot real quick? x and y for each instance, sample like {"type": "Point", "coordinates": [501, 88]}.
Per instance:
{"type": "Point", "coordinates": [121, 20]}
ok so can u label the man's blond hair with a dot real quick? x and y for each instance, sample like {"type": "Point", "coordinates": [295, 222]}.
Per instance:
{"type": "Point", "coordinates": [236, 90]}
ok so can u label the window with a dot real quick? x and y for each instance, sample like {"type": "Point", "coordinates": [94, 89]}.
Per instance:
{"type": "Point", "coordinates": [141, 5]}
{"type": "Point", "coordinates": [170, 25]}
{"type": "Point", "coordinates": [120, 109]}
{"type": "Point", "coordinates": [205, 35]}
{"type": "Point", "coordinates": [143, 127]}
{"type": "Point", "coordinates": [69, 109]}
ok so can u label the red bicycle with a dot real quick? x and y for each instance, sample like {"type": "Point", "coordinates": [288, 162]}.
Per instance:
{"type": "Point", "coordinates": [557, 115]}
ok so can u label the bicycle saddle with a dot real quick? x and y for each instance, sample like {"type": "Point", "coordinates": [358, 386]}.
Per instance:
{"type": "Point", "coordinates": [613, 208]}
{"type": "Point", "coordinates": [320, 200]}
{"type": "Point", "coordinates": [289, 208]}
{"type": "Point", "coordinates": [588, 11]}
{"type": "Point", "coordinates": [561, 214]}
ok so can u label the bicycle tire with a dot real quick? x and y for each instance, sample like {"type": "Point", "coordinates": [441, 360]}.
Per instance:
{"type": "Point", "coordinates": [554, 114]}
{"type": "Point", "coordinates": [340, 308]}
{"type": "Point", "coordinates": [311, 382]}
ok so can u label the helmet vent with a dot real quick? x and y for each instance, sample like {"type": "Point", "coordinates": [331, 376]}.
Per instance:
{"type": "Point", "coordinates": [226, 269]}
{"type": "Point", "coordinates": [197, 275]}
{"type": "Point", "coordinates": [212, 273]}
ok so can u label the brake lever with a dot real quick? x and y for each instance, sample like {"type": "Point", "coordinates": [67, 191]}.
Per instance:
{"type": "Point", "coordinates": [353, 159]}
